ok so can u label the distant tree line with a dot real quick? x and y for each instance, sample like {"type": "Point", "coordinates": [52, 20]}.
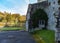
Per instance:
{"type": "Point", "coordinates": [12, 19]}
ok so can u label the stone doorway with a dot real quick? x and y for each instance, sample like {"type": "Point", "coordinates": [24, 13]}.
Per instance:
{"type": "Point", "coordinates": [38, 17]}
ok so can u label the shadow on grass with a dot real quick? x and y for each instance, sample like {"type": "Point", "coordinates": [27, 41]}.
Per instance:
{"type": "Point", "coordinates": [44, 36]}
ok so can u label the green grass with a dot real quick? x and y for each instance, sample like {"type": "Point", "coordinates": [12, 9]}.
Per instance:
{"type": "Point", "coordinates": [44, 36]}
{"type": "Point", "coordinates": [12, 28]}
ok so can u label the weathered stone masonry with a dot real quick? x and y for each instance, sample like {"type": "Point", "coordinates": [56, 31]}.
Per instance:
{"type": "Point", "coordinates": [51, 7]}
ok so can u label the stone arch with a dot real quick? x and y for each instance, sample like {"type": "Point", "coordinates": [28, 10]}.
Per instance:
{"type": "Point", "coordinates": [39, 14]}
{"type": "Point", "coordinates": [31, 9]}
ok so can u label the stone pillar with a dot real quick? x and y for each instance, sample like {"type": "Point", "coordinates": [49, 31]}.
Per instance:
{"type": "Point", "coordinates": [26, 25]}
{"type": "Point", "coordinates": [56, 36]}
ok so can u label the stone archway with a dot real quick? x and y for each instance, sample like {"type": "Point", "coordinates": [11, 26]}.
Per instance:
{"type": "Point", "coordinates": [38, 15]}
{"type": "Point", "coordinates": [31, 10]}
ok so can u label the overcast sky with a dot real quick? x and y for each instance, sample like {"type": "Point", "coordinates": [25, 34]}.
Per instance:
{"type": "Point", "coordinates": [15, 6]}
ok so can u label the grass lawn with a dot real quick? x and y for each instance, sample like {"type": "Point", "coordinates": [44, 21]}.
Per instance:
{"type": "Point", "coordinates": [11, 28]}
{"type": "Point", "coordinates": [44, 36]}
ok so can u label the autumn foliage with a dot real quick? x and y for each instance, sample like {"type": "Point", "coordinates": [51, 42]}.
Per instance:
{"type": "Point", "coordinates": [8, 19]}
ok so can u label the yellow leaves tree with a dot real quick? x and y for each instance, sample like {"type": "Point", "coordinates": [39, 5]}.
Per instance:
{"type": "Point", "coordinates": [1, 16]}
{"type": "Point", "coordinates": [8, 18]}
{"type": "Point", "coordinates": [12, 19]}
{"type": "Point", "coordinates": [22, 20]}
{"type": "Point", "coordinates": [15, 18]}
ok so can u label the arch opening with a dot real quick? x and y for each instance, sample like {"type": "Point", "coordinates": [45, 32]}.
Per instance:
{"type": "Point", "coordinates": [38, 19]}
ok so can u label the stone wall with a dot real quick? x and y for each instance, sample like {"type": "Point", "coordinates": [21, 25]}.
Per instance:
{"type": "Point", "coordinates": [51, 8]}
{"type": "Point", "coordinates": [31, 9]}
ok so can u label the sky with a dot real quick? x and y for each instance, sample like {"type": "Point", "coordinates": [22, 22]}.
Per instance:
{"type": "Point", "coordinates": [15, 6]}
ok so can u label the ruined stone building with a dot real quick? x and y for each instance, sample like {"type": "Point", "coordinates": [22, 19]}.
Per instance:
{"type": "Point", "coordinates": [52, 8]}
